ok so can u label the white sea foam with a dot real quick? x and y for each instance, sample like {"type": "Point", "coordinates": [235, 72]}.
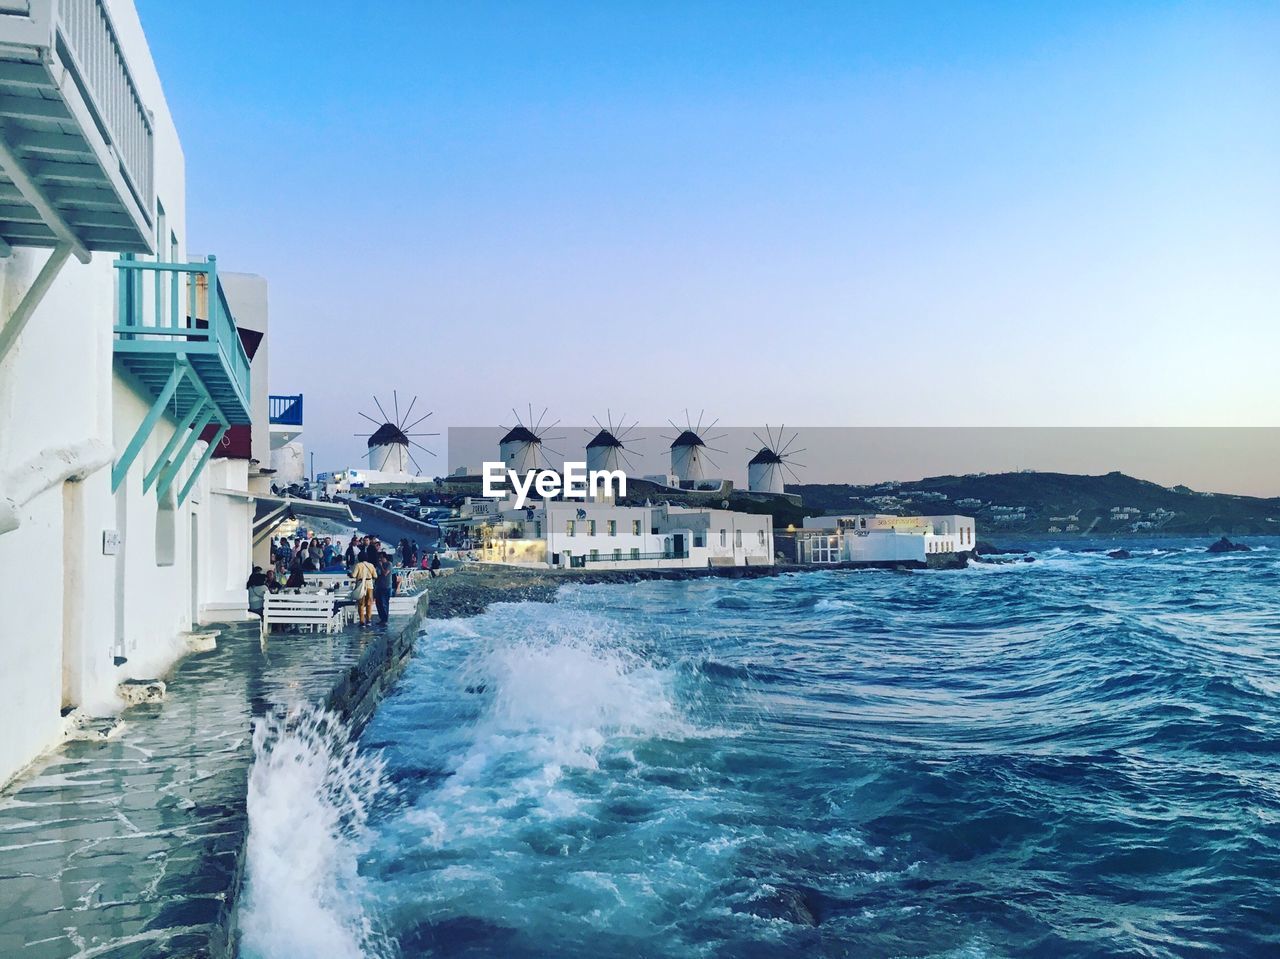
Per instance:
{"type": "Point", "coordinates": [310, 792]}
{"type": "Point", "coordinates": [554, 699]}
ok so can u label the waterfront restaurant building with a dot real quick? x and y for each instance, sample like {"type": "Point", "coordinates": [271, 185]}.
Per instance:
{"type": "Point", "coordinates": [602, 535]}
{"type": "Point", "coordinates": [880, 538]}
{"type": "Point", "coordinates": [122, 372]}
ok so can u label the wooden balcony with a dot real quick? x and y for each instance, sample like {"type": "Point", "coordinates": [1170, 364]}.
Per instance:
{"type": "Point", "coordinates": [76, 146]}
{"type": "Point", "coordinates": [177, 338]}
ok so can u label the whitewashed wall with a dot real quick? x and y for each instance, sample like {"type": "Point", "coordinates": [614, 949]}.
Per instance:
{"type": "Point", "coordinates": [68, 608]}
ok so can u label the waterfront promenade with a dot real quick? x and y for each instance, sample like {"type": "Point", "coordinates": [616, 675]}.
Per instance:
{"type": "Point", "coordinates": [133, 846]}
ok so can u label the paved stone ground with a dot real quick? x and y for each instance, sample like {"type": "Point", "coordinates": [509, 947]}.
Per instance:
{"type": "Point", "coordinates": [132, 847]}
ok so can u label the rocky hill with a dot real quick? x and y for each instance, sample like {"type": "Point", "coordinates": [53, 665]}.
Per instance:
{"type": "Point", "coordinates": [1056, 503]}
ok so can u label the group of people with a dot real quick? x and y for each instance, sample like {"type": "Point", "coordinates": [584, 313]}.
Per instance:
{"type": "Point", "coordinates": [365, 560]}
{"type": "Point", "coordinates": [304, 555]}
{"type": "Point", "coordinates": [369, 566]}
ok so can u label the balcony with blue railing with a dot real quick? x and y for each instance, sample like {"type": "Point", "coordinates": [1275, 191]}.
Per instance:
{"type": "Point", "coordinates": [177, 338]}
{"type": "Point", "coordinates": [285, 410]}
{"type": "Point", "coordinates": [77, 151]}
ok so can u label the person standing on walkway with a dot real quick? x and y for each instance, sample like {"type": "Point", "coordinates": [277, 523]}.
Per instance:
{"type": "Point", "coordinates": [382, 588]}
{"type": "Point", "coordinates": [364, 575]}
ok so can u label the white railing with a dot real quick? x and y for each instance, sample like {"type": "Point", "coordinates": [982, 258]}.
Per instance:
{"type": "Point", "coordinates": [89, 38]}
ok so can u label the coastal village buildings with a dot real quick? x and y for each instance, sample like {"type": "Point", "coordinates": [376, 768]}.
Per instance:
{"type": "Point", "coordinates": [133, 411]}
{"type": "Point", "coordinates": [879, 538]}
{"type": "Point", "coordinates": [603, 535]}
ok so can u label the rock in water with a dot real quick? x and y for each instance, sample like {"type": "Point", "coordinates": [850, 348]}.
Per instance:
{"type": "Point", "coordinates": [136, 691]}
{"type": "Point", "coordinates": [1120, 554]}
{"type": "Point", "coordinates": [785, 902]}
{"type": "Point", "coordinates": [1225, 545]}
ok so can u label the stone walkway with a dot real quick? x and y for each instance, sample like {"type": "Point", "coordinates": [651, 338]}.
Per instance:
{"type": "Point", "coordinates": [132, 847]}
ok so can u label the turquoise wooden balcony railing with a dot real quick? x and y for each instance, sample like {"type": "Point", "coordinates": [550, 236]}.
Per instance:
{"type": "Point", "coordinates": [176, 335]}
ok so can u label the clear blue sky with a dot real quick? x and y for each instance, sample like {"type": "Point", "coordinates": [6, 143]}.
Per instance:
{"type": "Point", "coordinates": [829, 214]}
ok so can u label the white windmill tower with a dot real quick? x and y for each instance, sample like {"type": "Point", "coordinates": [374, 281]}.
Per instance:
{"type": "Point", "coordinates": [689, 449]}
{"type": "Point", "coordinates": [388, 446]}
{"type": "Point", "coordinates": [766, 472]}
{"type": "Point", "coordinates": [607, 449]}
{"type": "Point", "coordinates": [521, 448]}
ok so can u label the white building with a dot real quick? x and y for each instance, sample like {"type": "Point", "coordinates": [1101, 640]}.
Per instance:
{"type": "Point", "coordinates": [877, 538]}
{"type": "Point", "coordinates": [602, 535]}
{"type": "Point", "coordinates": [288, 457]}
{"type": "Point", "coordinates": [122, 373]}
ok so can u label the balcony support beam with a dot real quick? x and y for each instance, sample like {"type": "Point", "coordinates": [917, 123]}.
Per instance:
{"type": "Point", "coordinates": [153, 474]}
{"type": "Point", "coordinates": [34, 194]}
{"type": "Point", "coordinates": [31, 299]}
{"type": "Point", "coordinates": [171, 471]}
{"type": "Point", "coordinates": [204, 459]}
{"type": "Point", "coordinates": [121, 469]}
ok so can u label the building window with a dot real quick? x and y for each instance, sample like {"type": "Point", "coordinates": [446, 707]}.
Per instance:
{"type": "Point", "coordinates": [595, 555]}
{"type": "Point", "coordinates": [699, 541]}
{"type": "Point", "coordinates": [635, 553]}
{"type": "Point", "coordinates": [591, 527]}
{"type": "Point", "coordinates": [760, 536]}
{"type": "Point", "coordinates": [613, 527]}
{"type": "Point", "coordinates": [569, 527]}
{"type": "Point", "coordinates": [737, 539]}
{"type": "Point", "coordinates": [723, 537]}
{"type": "Point", "coordinates": [635, 527]}
{"type": "Point", "coordinates": [617, 554]}
{"type": "Point", "coordinates": [537, 529]}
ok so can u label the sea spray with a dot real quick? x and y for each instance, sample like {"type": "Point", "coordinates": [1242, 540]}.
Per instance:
{"type": "Point", "coordinates": [311, 791]}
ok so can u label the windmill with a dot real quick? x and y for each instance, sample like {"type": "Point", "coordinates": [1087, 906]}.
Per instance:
{"type": "Point", "coordinates": [607, 450]}
{"type": "Point", "coordinates": [765, 471]}
{"type": "Point", "coordinates": [689, 448]}
{"type": "Point", "coordinates": [521, 447]}
{"type": "Point", "coordinates": [388, 445]}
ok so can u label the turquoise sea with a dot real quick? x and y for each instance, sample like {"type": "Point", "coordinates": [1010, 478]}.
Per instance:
{"type": "Point", "coordinates": [1075, 757]}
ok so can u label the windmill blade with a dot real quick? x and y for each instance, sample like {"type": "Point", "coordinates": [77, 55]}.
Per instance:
{"type": "Point", "coordinates": [712, 424]}
{"type": "Point", "coordinates": [517, 416]}
{"type": "Point", "coordinates": [410, 409]}
{"type": "Point", "coordinates": [701, 414]}
{"type": "Point", "coordinates": [372, 420]}
{"type": "Point", "coordinates": [768, 444]}
{"type": "Point", "coordinates": [548, 429]}
{"type": "Point", "coordinates": [423, 448]}
{"type": "Point", "coordinates": [548, 449]}
{"type": "Point", "coordinates": [421, 434]}
{"type": "Point", "coordinates": [714, 450]}
{"type": "Point", "coordinates": [795, 437]}
{"type": "Point", "coordinates": [710, 460]}
{"type": "Point", "coordinates": [795, 453]}
{"type": "Point", "coordinates": [418, 420]}
{"type": "Point", "coordinates": [678, 429]}
{"type": "Point", "coordinates": [396, 400]}
{"type": "Point", "coordinates": [626, 461]}
{"type": "Point", "coordinates": [385, 417]}
{"type": "Point", "coordinates": [415, 463]}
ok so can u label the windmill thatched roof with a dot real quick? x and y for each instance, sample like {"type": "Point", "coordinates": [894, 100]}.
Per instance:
{"type": "Point", "coordinates": [387, 434]}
